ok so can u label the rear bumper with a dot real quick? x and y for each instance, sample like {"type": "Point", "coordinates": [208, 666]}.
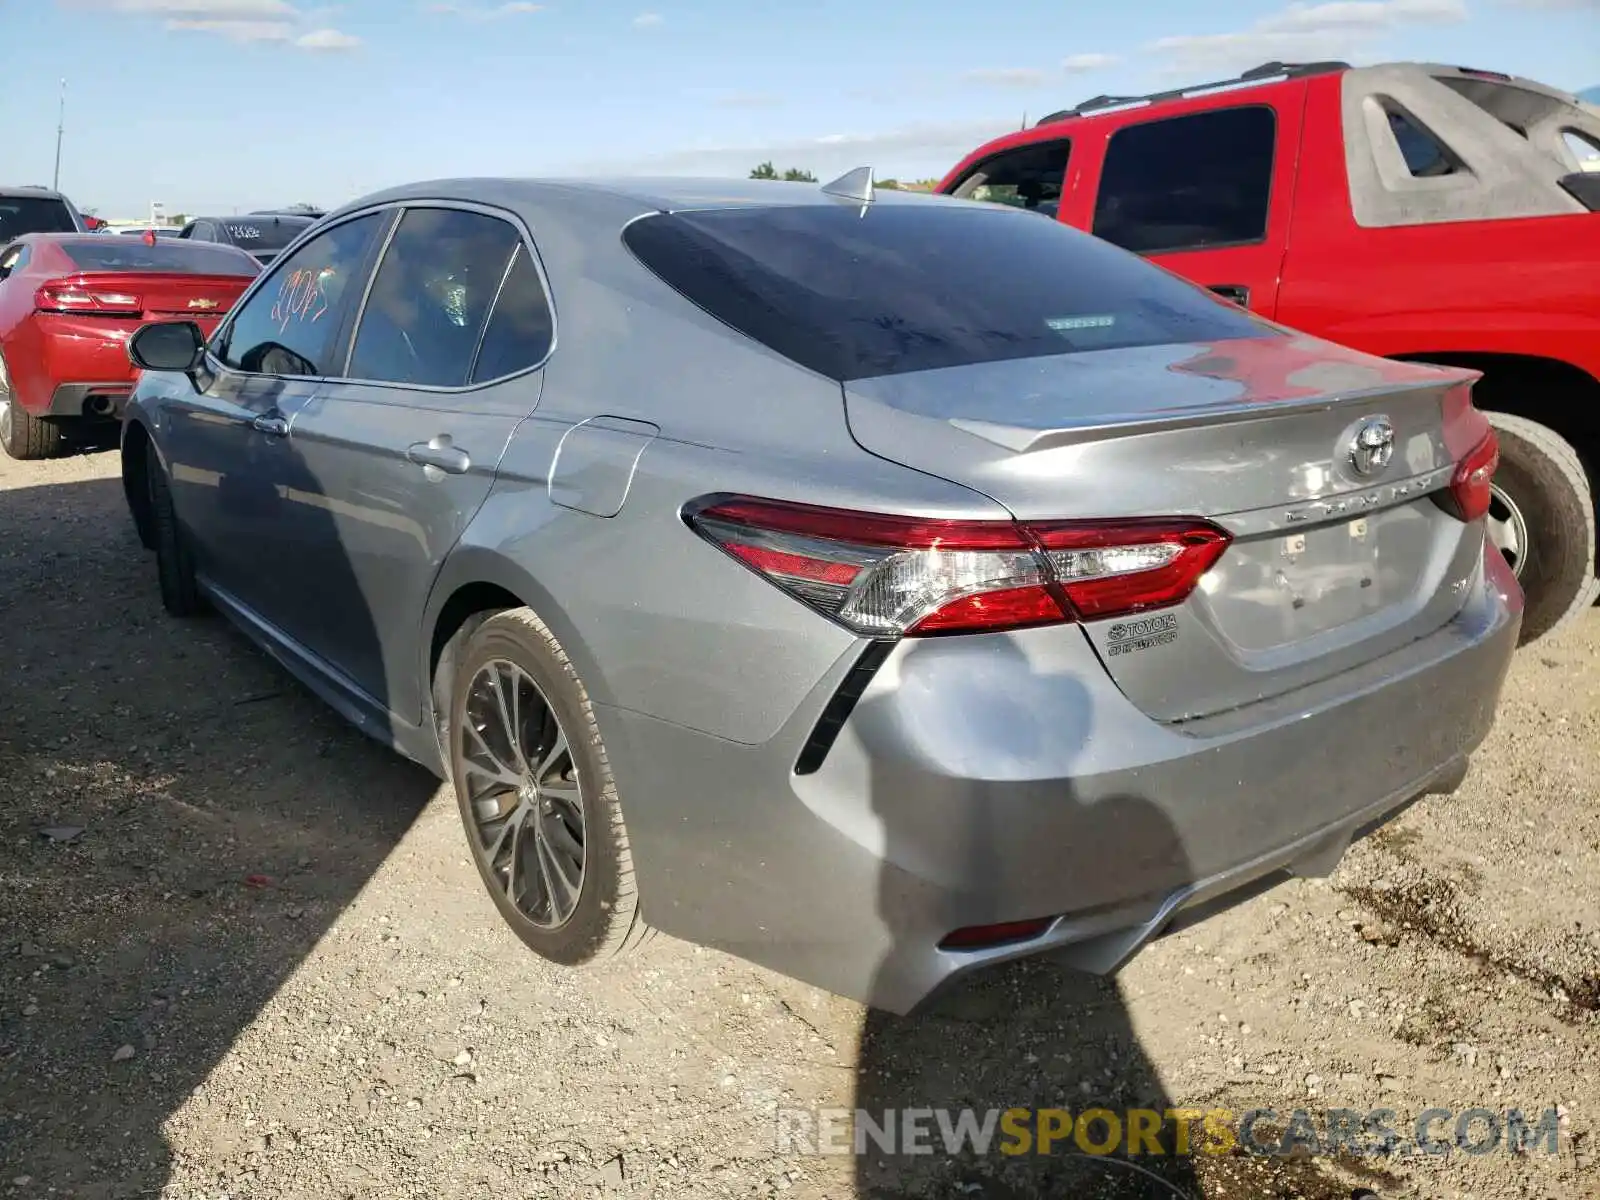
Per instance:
{"type": "Point", "coordinates": [1005, 777]}
{"type": "Point", "coordinates": [89, 399]}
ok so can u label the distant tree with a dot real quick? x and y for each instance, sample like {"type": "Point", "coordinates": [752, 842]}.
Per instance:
{"type": "Point", "coordinates": [178, 219]}
{"type": "Point", "coordinates": [796, 175]}
{"type": "Point", "coordinates": [765, 171]}
{"type": "Point", "coordinates": [892, 184]}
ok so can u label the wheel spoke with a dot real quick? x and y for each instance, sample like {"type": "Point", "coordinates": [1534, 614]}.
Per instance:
{"type": "Point", "coordinates": [498, 771]}
{"type": "Point", "coordinates": [511, 828]}
{"type": "Point", "coordinates": [550, 761]}
{"type": "Point", "coordinates": [507, 722]}
{"type": "Point", "coordinates": [563, 891]}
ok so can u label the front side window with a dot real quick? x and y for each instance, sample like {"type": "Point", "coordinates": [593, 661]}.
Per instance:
{"type": "Point", "coordinates": [919, 286]}
{"type": "Point", "coordinates": [1188, 183]}
{"type": "Point", "coordinates": [431, 297]}
{"type": "Point", "coordinates": [1028, 177]}
{"type": "Point", "coordinates": [288, 327]}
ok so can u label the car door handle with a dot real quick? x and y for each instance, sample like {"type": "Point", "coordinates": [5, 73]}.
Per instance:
{"type": "Point", "coordinates": [1236, 292]}
{"type": "Point", "coordinates": [268, 423]}
{"type": "Point", "coordinates": [439, 452]}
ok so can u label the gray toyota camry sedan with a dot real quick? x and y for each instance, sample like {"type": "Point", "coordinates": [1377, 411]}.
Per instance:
{"type": "Point", "coordinates": [875, 586]}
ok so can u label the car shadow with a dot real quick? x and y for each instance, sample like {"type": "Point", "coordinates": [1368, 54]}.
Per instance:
{"type": "Point", "coordinates": [180, 824]}
{"type": "Point", "coordinates": [1025, 1035]}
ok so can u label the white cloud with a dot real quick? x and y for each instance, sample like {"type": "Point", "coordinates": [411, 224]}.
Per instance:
{"type": "Point", "coordinates": [1018, 77]}
{"type": "Point", "coordinates": [1077, 64]}
{"type": "Point", "coordinates": [1038, 77]}
{"type": "Point", "coordinates": [747, 100]}
{"type": "Point", "coordinates": [327, 39]}
{"type": "Point", "coordinates": [1304, 32]}
{"type": "Point", "coordinates": [480, 12]}
{"type": "Point", "coordinates": [648, 20]}
{"type": "Point", "coordinates": [201, 9]}
{"type": "Point", "coordinates": [239, 20]}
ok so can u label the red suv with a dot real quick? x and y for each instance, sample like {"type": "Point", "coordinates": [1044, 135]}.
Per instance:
{"type": "Point", "coordinates": [1419, 212]}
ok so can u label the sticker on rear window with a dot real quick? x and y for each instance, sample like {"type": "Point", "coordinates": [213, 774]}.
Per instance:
{"type": "Point", "coordinates": [1064, 324]}
{"type": "Point", "coordinates": [1127, 636]}
{"type": "Point", "coordinates": [244, 231]}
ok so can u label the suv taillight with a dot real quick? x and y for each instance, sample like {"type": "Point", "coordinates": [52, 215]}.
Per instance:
{"type": "Point", "coordinates": [893, 576]}
{"type": "Point", "coordinates": [1469, 486]}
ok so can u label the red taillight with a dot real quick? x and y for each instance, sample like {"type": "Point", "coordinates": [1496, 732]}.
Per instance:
{"type": "Point", "coordinates": [1469, 486]}
{"type": "Point", "coordinates": [890, 576]}
{"type": "Point", "coordinates": [73, 298]}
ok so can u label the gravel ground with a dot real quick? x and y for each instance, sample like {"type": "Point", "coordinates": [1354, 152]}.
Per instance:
{"type": "Point", "coordinates": [243, 953]}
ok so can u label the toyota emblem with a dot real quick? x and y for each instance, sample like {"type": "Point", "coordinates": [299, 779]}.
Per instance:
{"type": "Point", "coordinates": [1372, 446]}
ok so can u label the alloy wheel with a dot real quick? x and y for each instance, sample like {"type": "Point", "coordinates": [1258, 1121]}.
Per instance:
{"type": "Point", "coordinates": [523, 792]}
{"type": "Point", "coordinates": [1507, 529]}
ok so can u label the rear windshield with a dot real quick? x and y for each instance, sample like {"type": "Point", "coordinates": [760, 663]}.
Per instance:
{"type": "Point", "coordinates": [912, 287]}
{"type": "Point", "coordinates": [130, 254]}
{"type": "Point", "coordinates": [263, 233]}
{"type": "Point", "coordinates": [33, 214]}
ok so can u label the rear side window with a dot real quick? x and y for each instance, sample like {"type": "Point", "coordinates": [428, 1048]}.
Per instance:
{"type": "Point", "coordinates": [431, 298]}
{"type": "Point", "coordinates": [132, 254]}
{"type": "Point", "coordinates": [1188, 183]}
{"type": "Point", "coordinates": [919, 286]}
{"type": "Point", "coordinates": [521, 328]}
{"type": "Point", "coordinates": [33, 214]}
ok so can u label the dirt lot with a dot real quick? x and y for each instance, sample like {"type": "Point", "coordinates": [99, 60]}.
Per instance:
{"type": "Point", "coordinates": [265, 967]}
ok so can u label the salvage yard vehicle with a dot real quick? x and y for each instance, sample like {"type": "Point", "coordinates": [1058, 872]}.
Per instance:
{"type": "Point", "coordinates": [1419, 212]}
{"type": "Point", "coordinates": [261, 235]}
{"type": "Point", "coordinates": [874, 585]}
{"type": "Point", "coordinates": [68, 304]}
{"type": "Point", "coordinates": [37, 210]}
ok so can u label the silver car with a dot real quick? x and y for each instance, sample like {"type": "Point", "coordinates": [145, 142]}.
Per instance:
{"type": "Point", "coordinates": [875, 586]}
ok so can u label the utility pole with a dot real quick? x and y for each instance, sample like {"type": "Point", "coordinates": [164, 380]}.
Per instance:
{"type": "Point", "coordinates": [61, 125]}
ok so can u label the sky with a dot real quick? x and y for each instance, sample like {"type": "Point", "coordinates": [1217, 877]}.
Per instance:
{"type": "Point", "coordinates": [217, 106]}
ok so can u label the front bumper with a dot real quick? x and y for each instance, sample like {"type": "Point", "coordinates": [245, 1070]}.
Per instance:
{"type": "Point", "coordinates": [1005, 777]}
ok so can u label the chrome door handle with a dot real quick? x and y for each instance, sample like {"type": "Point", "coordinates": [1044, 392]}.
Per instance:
{"type": "Point", "coordinates": [276, 426]}
{"type": "Point", "coordinates": [439, 452]}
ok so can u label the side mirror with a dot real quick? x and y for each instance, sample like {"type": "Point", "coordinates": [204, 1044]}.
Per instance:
{"type": "Point", "coordinates": [168, 346]}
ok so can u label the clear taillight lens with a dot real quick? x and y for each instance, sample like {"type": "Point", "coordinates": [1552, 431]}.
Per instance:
{"type": "Point", "coordinates": [889, 576]}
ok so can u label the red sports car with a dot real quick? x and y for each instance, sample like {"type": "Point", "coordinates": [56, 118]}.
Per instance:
{"type": "Point", "coordinates": [68, 303]}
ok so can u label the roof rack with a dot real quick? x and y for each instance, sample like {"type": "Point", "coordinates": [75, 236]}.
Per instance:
{"type": "Point", "coordinates": [1262, 74]}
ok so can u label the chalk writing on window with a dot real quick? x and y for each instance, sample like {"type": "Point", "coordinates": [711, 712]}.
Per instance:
{"type": "Point", "coordinates": [302, 297]}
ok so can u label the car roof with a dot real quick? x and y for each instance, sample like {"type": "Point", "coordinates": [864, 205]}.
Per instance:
{"type": "Point", "coordinates": [41, 193]}
{"type": "Point", "coordinates": [663, 193]}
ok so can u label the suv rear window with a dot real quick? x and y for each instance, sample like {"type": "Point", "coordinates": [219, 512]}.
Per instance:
{"type": "Point", "coordinates": [916, 287]}
{"type": "Point", "coordinates": [129, 254]}
{"type": "Point", "coordinates": [33, 214]}
{"type": "Point", "coordinates": [263, 233]}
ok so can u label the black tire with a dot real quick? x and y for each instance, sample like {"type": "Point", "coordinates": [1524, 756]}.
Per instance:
{"type": "Point", "coordinates": [24, 435]}
{"type": "Point", "coordinates": [606, 918]}
{"type": "Point", "coordinates": [1542, 475]}
{"type": "Point", "coordinates": [180, 594]}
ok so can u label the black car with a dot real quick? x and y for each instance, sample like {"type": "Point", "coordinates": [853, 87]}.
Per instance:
{"type": "Point", "coordinates": [261, 235]}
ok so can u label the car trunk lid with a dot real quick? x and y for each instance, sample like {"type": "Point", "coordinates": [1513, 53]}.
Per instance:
{"type": "Point", "coordinates": [1333, 562]}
